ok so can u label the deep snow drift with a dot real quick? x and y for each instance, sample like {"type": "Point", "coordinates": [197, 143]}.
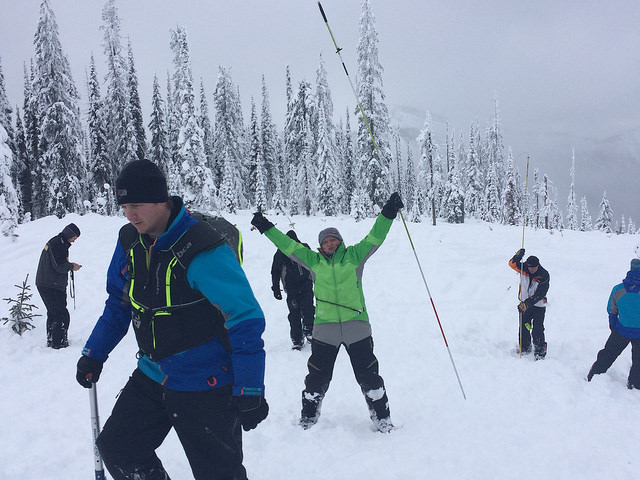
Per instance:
{"type": "Point", "coordinates": [522, 419]}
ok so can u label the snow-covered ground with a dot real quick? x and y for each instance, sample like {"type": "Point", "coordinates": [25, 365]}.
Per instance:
{"type": "Point", "coordinates": [521, 420]}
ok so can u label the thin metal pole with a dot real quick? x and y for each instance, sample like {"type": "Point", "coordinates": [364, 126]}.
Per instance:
{"type": "Point", "coordinates": [95, 430]}
{"type": "Point", "coordinates": [375, 145]}
{"type": "Point", "coordinates": [524, 217]}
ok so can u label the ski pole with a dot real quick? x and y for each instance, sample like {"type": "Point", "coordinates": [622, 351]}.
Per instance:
{"type": "Point", "coordinates": [375, 145]}
{"type": "Point", "coordinates": [520, 332]}
{"type": "Point", "coordinates": [72, 290]}
{"type": "Point", "coordinates": [95, 430]}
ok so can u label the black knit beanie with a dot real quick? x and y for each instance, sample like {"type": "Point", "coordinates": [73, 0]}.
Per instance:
{"type": "Point", "coordinates": [141, 181]}
{"type": "Point", "coordinates": [532, 261]}
{"type": "Point", "coordinates": [70, 231]}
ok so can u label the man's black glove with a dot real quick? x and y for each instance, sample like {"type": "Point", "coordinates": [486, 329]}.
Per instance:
{"type": "Point", "coordinates": [390, 209]}
{"type": "Point", "coordinates": [518, 256]}
{"type": "Point", "coordinates": [276, 292]}
{"type": "Point", "coordinates": [260, 222]}
{"type": "Point", "coordinates": [251, 410]}
{"type": "Point", "coordinates": [88, 371]}
{"type": "Point", "coordinates": [522, 306]}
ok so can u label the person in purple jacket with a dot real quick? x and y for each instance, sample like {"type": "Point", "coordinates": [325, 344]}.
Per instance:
{"type": "Point", "coordinates": [198, 326]}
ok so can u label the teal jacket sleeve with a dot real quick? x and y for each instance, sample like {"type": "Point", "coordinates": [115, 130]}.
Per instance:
{"type": "Point", "coordinates": [219, 277]}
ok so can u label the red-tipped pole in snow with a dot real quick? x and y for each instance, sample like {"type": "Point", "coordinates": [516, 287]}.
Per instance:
{"type": "Point", "coordinates": [375, 145]}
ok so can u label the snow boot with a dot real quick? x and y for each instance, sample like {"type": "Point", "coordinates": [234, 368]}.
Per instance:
{"type": "Point", "coordinates": [311, 403]}
{"type": "Point", "coordinates": [383, 425]}
{"type": "Point", "coordinates": [541, 352]}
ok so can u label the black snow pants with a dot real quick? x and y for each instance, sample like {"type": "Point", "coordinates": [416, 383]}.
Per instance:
{"type": "Point", "coordinates": [614, 346]}
{"type": "Point", "coordinates": [57, 316]}
{"type": "Point", "coordinates": [534, 317]}
{"type": "Point", "coordinates": [145, 412]}
{"type": "Point", "coordinates": [301, 314]}
{"type": "Point", "coordinates": [365, 368]}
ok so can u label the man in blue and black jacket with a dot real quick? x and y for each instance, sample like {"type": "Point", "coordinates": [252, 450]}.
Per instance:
{"type": "Point", "coordinates": [624, 322]}
{"type": "Point", "coordinates": [201, 358]}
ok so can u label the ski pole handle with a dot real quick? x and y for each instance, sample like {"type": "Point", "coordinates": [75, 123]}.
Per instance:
{"type": "Point", "coordinates": [95, 430]}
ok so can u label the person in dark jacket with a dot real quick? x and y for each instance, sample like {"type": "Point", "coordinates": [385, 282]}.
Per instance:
{"type": "Point", "coordinates": [51, 281]}
{"type": "Point", "coordinates": [201, 359]}
{"type": "Point", "coordinates": [299, 289]}
{"type": "Point", "coordinates": [624, 322]}
{"type": "Point", "coordinates": [534, 285]}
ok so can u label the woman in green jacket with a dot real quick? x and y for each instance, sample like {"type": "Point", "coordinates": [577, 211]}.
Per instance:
{"type": "Point", "coordinates": [341, 314]}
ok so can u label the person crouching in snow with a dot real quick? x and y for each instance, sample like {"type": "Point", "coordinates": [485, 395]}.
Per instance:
{"type": "Point", "coordinates": [533, 305]}
{"type": "Point", "coordinates": [341, 314]}
{"type": "Point", "coordinates": [624, 321]}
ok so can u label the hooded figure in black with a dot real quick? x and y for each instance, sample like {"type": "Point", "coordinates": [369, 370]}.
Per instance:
{"type": "Point", "coordinates": [299, 288]}
{"type": "Point", "coordinates": [51, 280]}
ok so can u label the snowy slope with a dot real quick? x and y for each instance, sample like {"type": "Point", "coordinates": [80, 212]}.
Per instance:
{"type": "Point", "coordinates": [521, 420]}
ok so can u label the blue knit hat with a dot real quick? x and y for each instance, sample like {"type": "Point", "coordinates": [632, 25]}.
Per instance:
{"type": "Point", "coordinates": [635, 264]}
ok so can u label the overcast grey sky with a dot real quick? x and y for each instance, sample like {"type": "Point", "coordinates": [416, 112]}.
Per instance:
{"type": "Point", "coordinates": [566, 73]}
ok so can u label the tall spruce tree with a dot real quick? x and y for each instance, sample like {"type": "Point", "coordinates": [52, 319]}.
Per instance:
{"type": "Point", "coordinates": [159, 146]}
{"type": "Point", "coordinates": [198, 182]}
{"type": "Point", "coordinates": [61, 162]}
{"type": "Point", "coordinates": [8, 195]}
{"type": "Point", "coordinates": [6, 112]}
{"type": "Point", "coordinates": [230, 147]}
{"type": "Point", "coordinates": [474, 185]}
{"type": "Point", "coordinates": [429, 180]}
{"type": "Point", "coordinates": [299, 149]}
{"type": "Point", "coordinates": [269, 145]}
{"type": "Point", "coordinates": [586, 224]}
{"type": "Point", "coordinates": [604, 222]}
{"type": "Point", "coordinates": [511, 213]}
{"type": "Point", "coordinates": [374, 163]}
{"type": "Point", "coordinates": [135, 106]}
{"type": "Point", "coordinates": [329, 188]}
{"type": "Point", "coordinates": [102, 168]}
{"type": "Point", "coordinates": [204, 120]}
{"type": "Point", "coordinates": [21, 175]}
{"type": "Point", "coordinates": [122, 142]}
{"type": "Point", "coordinates": [572, 206]}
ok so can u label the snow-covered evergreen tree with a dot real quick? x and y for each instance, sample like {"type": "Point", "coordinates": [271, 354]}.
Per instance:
{"type": "Point", "coordinates": [21, 172]}
{"type": "Point", "coordinates": [585, 219]}
{"type": "Point", "coordinates": [61, 161]}
{"type": "Point", "coordinates": [135, 106]}
{"type": "Point", "coordinates": [299, 150]}
{"type": "Point", "coordinates": [329, 188]}
{"type": "Point", "coordinates": [474, 186]}
{"type": "Point", "coordinates": [511, 212]}
{"type": "Point", "coordinates": [375, 123]}
{"type": "Point", "coordinates": [229, 147]}
{"type": "Point", "coordinates": [347, 156]}
{"type": "Point", "coordinates": [453, 195]}
{"type": "Point", "coordinates": [572, 205]}
{"type": "Point", "coordinates": [204, 121]}
{"type": "Point", "coordinates": [429, 179]}
{"type": "Point", "coordinates": [8, 195]}
{"type": "Point", "coordinates": [159, 146]}
{"type": "Point", "coordinates": [269, 145]}
{"type": "Point", "coordinates": [122, 142]}
{"type": "Point", "coordinates": [6, 112]}
{"type": "Point", "coordinates": [494, 150]}
{"type": "Point", "coordinates": [198, 182]}
{"type": "Point", "coordinates": [604, 222]}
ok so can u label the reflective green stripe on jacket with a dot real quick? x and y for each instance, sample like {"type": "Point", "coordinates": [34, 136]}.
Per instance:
{"type": "Point", "coordinates": [337, 281]}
